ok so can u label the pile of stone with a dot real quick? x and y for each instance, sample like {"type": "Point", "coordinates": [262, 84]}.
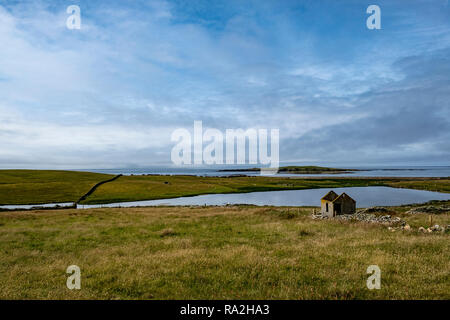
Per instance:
{"type": "Point", "coordinates": [365, 217]}
{"type": "Point", "coordinates": [435, 228]}
{"type": "Point", "coordinates": [405, 227]}
{"type": "Point", "coordinates": [374, 210]}
{"type": "Point", "coordinates": [430, 209]}
{"type": "Point", "coordinates": [393, 223]}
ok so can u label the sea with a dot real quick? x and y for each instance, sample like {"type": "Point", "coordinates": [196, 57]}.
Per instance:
{"type": "Point", "coordinates": [363, 171]}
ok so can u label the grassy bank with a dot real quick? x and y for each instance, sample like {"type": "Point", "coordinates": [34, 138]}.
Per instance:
{"type": "Point", "coordinates": [45, 186]}
{"type": "Point", "coordinates": [439, 185]}
{"type": "Point", "coordinates": [217, 253]}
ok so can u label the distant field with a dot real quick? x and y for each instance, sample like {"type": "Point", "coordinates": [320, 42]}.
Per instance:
{"type": "Point", "coordinates": [45, 186]}
{"type": "Point", "coordinates": [217, 253]}
{"type": "Point", "coordinates": [41, 186]}
{"type": "Point", "coordinates": [135, 188]}
{"type": "Point", "coordinates": [442, 185]}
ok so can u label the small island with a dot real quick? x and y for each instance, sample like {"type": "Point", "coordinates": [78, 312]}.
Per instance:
{"type": "Point", "coordinates": [298, 170]}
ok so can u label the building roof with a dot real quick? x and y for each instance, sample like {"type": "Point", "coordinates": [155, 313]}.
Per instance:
{"type": "Point", "coordinates": [344, 196]}
{"type": "Point", "coordinates": [330, 196]}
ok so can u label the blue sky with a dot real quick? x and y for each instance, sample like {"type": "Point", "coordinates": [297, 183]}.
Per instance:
{"type": "Point", "coordinates": [110, 94]}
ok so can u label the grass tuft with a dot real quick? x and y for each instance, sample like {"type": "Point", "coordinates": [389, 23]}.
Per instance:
{"type": "Point", "coordinates": [167, 233]}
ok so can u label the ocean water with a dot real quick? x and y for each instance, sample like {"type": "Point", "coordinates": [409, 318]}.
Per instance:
{"type": "Point", "coordinates": [392, 171]}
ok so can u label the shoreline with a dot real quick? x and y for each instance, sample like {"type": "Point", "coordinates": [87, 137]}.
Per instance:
{"type": "Point", "coordinates": [37, 188]}
{"type": "Point", "coordinates": [122, 204]}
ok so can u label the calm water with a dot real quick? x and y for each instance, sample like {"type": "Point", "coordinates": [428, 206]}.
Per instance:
{"type": "Point", "coordinates": [364, 196]}
{"type": "Point", "coordinates": [443, 171]}
{"type": "Point", "coordinates": [29, 206]}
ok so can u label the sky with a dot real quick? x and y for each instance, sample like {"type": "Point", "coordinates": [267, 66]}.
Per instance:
{"type": "Point", "coordinates": [110, 94]}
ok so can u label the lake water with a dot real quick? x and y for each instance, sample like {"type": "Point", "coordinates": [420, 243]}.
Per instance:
{"type": "Point", "coordinates": [364, 196]}
{"type": "Point", "coordinates": [392, 171]}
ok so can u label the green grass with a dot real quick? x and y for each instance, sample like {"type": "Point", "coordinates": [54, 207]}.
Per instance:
{"type": "Point", "coordinates": [45, 186]}
{"type": "Point", "coordinates": [441, 185]}
{"type": "Point", "coordinates": [217, 253]}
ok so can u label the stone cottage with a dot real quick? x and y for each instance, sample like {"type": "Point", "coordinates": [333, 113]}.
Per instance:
{"type": "Point", "coordinates": [333, 205]}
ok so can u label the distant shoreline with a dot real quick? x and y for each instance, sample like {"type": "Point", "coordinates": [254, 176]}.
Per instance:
{"type": "Point", "coordinates": [298, 170]}
{"type": "Point", "coordinates": [318, 170]}
{"type": "Point", "coordinates": [21, 187]}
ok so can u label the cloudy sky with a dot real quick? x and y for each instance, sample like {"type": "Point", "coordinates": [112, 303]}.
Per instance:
{"type": "Point", "coordinates": [110, 94]}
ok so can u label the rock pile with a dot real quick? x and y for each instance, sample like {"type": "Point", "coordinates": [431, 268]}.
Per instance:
{"type": "Point", "coordinates": [393, 223]}
{"type": "Point", "coordinates": [435, 228]}
{"type": "Point", "coordinates": [429, 209]}
{"type": "Point", "coordinates": [405, 227]}
{"type": "Point", "coordinates": [374, 210]}
{"type": "Point", "coordinates": [366, 217]}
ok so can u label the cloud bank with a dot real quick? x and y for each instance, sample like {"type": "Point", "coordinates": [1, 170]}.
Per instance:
{"type": "Point", "coordinates": [110, 94]}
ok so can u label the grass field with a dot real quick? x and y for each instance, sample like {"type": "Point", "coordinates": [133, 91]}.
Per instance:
{"type": "Point", "coordinates": [441, 185]}
{"type": "Point", "coordinates": [217, 253]}
{"type": "Point", "coordinates": [45, 186]}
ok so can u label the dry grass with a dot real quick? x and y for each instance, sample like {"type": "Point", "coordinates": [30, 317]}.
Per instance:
{"type": "Point", "coordinates": [216, 253]}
